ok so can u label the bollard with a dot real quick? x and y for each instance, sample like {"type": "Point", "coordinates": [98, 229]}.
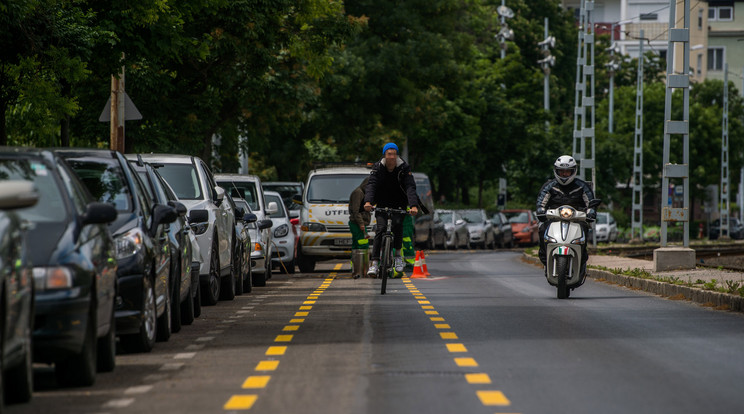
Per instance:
{"type": "Point", "coordinates": [360, 262]}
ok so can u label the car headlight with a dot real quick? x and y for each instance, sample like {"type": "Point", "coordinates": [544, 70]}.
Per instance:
{"type": "Point", "coordinates": [200, 228]}
{"type": "Point", "coordinates": [52, 278]}
{"type": "Point", "coordinates": [313, 227]}
{"type": "Point", "coordinates": [129, 243]}
{"type": "Point", "coordinates": [281, 231]}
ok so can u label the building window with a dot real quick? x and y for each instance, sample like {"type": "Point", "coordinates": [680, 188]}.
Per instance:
{"type": "Point", "coordinates": [715, 58]}
{"type": "Point", "coordinates": [699, 64]}
{"type": "Point", "coordinates": [721, 13]}
{"type": "Point", "coordinates": [700, 19]}
{"type": "Point", "coordinates": [652, 17]}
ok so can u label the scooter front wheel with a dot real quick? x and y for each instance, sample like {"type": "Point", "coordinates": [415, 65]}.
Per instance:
{"type": "Point", "coordinates": [562, 266]}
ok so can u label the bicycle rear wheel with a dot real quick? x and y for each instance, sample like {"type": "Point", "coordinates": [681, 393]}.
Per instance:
{"type": "Point", "coordinates": [386, 261]}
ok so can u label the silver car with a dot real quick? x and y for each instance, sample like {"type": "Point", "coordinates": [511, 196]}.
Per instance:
{"type": "Point", "coordinates": [283, 235]}
{"type": "Point", "coordinates": [456, 228]}
{"type": "Point", "coordinates": [606, 228]}
{"type": "Point", "coordinates": [480, 228]}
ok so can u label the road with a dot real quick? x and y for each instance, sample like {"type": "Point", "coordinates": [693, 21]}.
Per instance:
{"type": "Point", "coordinates": [483, 334]}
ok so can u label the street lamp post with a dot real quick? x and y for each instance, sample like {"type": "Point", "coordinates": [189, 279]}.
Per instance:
{"type": "Point", "coordinates": [546, 62]}
{"type": "Point", "coordinates": [505, 33]}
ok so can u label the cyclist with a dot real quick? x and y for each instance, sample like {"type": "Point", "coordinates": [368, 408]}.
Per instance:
{"type": "Point", "coordinates": [391, 184]}
{"type": "Point", "coordinates": [564, 189]}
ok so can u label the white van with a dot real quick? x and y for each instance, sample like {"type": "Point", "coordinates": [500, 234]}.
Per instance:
{"type": "Point", "coordinates": [324, 216]}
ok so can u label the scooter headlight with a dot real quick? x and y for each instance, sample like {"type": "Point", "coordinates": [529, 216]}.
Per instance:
{"type": "Point", "coordinates": [549, 239]}
{"type": "Point", "coordinates": [579, 240]}
{"type": "Point", "coordinates": [566, 212]}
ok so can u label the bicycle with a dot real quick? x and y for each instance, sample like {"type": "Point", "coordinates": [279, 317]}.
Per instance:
{"type": "Point", "coordinates": [387, 253]}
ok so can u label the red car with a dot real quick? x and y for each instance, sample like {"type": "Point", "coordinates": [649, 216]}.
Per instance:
{"type": "Point", "coordinates": [524, 226]}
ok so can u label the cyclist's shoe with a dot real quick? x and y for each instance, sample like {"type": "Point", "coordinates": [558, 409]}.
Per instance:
{"type": "Point", "coordinates": [372, 272]}
{"type": "Point", "coordinates": [399, 265]}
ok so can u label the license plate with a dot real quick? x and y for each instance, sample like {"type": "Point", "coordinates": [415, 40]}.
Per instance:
{"type": "Point", "coordinates": [342, 242]}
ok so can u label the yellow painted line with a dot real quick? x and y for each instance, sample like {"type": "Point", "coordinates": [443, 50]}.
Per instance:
{"type": "Point", "coordinates": [296, 320]}
{"type": "Point", "coordinates": [424, 302]}
{"type": "Point", "coordinates": [493, 398]}
{"type": "Point", "coordinates": [436, 319]}
{"type": "Point", "coordinates": [456, 348]}
{"type": "Point", "coordinates": [427, 307]}
{"type": "Point", "coordinates": [313, 297]}
{"type": "Point", "coordinates": [338, 266]}
{"type": "Point", "coordinates": [466, 362]}
{"type": "Point", "coordinates": [442, 326]}
{"type": "Point", "coordinates": [431, 312]}
{"type": "Point", "coordinates": [257, 381]}
{"type": "Point", "coordinates": [283, 338]}
{"type": "Point", "coordinates": [309, 302]}
{"type": "Point", "coordinates": [267, 366]}
{"type": "Point", "coordinates": [291, 328]}
{"type": "Point", "coordinates": [478, 378]}
{"type": "Point", "coordinates": [305, 307]}
{"type": "Point", "coordinates": [448, 335]}
{"type": "Point", "coordinates": [240, 402]}
{"type": "Point", "coordinates": [420, 297]}
{"type": "Point", "coordinates": [276, 350]}
{"type": "Point", "coordinates": [301, 313]}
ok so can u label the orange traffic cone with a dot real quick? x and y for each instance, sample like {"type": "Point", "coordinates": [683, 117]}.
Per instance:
{"type": "Point", "coordinates": [417, 271]}
{"type": "Point", "coordinates": [423, 265]}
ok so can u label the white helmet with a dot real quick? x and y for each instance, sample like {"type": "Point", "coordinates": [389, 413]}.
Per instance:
{"type": "Point", "coordinates": [563, 164]}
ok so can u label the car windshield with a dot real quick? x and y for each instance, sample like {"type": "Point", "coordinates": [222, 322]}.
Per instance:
{"type": "Point", "coordinates": [105, 181]}
{"type": "Point", "coordinates": [496, 219]}
{"type": "Point", "coordinates": [240, 203]}
{"type": "Point", "coordinates": [183, 180]}
{"type": "Point", "coordinates": [278, 200]}
{"type": "Point", "coordinates": [602, 219]}
{"type": "Point", "coordinates": [334, 188]}
{"type": "Point", "coordinates": [287, 191]}
{"type": "Point", "coordinates": [446, 217]}
{"type": "Point", "coordinates": [472, 216]}
{"type": "Point", "coordinates": [51, 207]}
{"type": "Point", "coordinates": [517, 217]}
{"type": "Point", "coordinates": [245, 190]}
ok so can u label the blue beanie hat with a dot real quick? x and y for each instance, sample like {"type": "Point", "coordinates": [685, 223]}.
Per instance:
{"type": "Point", "coordinates": [388, 146]}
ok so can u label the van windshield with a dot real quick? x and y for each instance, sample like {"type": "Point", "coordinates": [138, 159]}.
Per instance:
{"type": "Point", "coordinates": [334, 188]}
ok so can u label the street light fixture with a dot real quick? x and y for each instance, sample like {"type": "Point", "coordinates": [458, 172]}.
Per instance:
{"type": "Point", "coordinates": [505, 33]}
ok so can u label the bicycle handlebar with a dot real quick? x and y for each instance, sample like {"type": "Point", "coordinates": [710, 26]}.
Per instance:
{"type": "Point", "coordinates": [389, 210]}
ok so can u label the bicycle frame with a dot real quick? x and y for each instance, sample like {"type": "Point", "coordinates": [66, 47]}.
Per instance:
{"type": "Point", "coordinates": [387, 253]}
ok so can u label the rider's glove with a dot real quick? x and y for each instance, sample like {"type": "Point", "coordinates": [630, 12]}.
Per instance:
{"type": "Point", "coordinates": [591, 214]}
{"type": "Point", "coordinates": [541, 214]}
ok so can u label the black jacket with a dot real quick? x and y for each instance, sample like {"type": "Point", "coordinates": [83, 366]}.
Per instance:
{"type": "Point", "coordinates": [576, 194]}
{"type": "Point", "coordinates": [396, 189]}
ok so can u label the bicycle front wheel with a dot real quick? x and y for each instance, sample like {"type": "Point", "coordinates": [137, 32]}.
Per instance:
{"type": "Point", "coordinates": [386, 261]}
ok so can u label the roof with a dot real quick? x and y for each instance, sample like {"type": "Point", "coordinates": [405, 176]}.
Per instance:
{"type": "Point", "coordinates": [236, 177]}
{"type": "Point", "coordinates": [166, 158]}
{"type": "Point", "coordinates": [340, 170]}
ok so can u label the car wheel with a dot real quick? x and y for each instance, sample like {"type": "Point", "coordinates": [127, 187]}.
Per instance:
{"type": "Point", "coordinates": [164, 320]}
{"type": "Point", "coordinates": [144, 340]}
{"type": "Point", "coordinates": [80, 370]}
{"type": "Point", "coordinates": [175, 303]}
{"type": "Point", "coordinates": [187, 307]}
{"type": "Point", "coordinates": [305, 263]}
{"type": "Point", "coordinates": [227, 290]}
{"type": "Point", "coordinates": [291, 266]}
{"type": "Point", "coordinates": [211, 290]}
{"type": "Point", "coordinates": [19, 380]}
{"type": "Point", "coordinates": [248, 281]}
{"type": "Point", "coordinates": [238, 272]}
{"type": "Point", "coordinates": [107, 346]}
{"type": "Point", "coordinates": [196, 299]}
{"type": "Point", "coordinates": [259, 279]}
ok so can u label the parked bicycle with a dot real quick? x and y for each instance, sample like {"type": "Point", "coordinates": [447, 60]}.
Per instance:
{"type": "Point", "coordinates": [387, 253]}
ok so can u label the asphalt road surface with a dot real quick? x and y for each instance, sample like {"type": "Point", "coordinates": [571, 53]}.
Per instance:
{"type": "Point", "coordinates": [483, 334]}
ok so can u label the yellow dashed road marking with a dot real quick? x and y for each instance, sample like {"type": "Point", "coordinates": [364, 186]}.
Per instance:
{"type": "Point", "coordinates": [291, 328]}
{"type": "Point", "coordinates": [283, 338]}
{"type": "Point", "coordinates": [240, 402]}
{"type": "Point", "coordinates": [478, 378]}
{"type": "Point", "coordinates": [276, 350]}
{"type": "Point", "coordinates": [466, 362]}
{"type": "Point", "coordinates": [442, 326]}
{"type": "Point", "coordinates": [296, 320]}
{"type": "Point", "coordinates": [301, 313]}
{"type": "Point", "coordinates": [456, 348]}
{"type": "Point", "coordinates": [493, 398]}
{"type": "Point", "coordinates": [256, 381]}
{"type": "Point", "coordinates": [267, 366]}
{"type": "Point", "coordinates": [448, 335]}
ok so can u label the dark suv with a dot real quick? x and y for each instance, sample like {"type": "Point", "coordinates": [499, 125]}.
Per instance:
{"type": "Point", "coordinates": [143, 306]}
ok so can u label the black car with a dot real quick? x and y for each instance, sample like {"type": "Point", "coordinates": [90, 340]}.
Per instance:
{"type": "Point", "coordinates": [502, 230]}
{"type": "Point", "coordinates": [143, 304]}
{"type": "Point", "coordinates": [184, 288]}
{"type": "Point", "coordinates": [16, 293]}
{"type": "Point", "coordinates": [74, 268]}
{"type": "Point", "coordinates": [736, 229]}
{"type": "Point", "coordinates": [242, 248]}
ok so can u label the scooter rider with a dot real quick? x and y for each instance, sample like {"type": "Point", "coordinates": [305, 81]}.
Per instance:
{"type": "Point", "coordinates": [564, 189]}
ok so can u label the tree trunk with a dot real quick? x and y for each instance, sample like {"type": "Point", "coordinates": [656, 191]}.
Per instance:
{"type": "Point", "coordinates": [3, 131]}
{"type": "Point", "coordinates": [64, 128]}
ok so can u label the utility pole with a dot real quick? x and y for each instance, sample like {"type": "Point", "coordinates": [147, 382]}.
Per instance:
{"type": "Point", "coordinates": [117, 112]}
{"type": "Point", "coordinates": [546, 62]}
{"type": "Point", "coordinates": [584, 109]}
{"type": "Point", "coordinates": [724, 218]}
{"type": "Point", "coordinates": [637, 214]}
{"type": "Point", "coordinates": [679, 38]}
{"type": "Point", "coordinates": [612, 66]}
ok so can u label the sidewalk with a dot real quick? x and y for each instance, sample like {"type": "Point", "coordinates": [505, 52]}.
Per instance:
{"type": "Point", "coordinates": [720, 289]}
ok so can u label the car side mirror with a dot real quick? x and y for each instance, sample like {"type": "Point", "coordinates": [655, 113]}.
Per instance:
{"type": "Point", "coordinates": [99, 213]}
{"type": "Point", "coordinates": [297, 199]}
{"type": "Point", "coordinates": [220, 193]}
{"type": "Point", "coordinates": [198, 216]}
{"type": "Point", "coordinates": [294, 214]}
{"type": "Point", "coordinates": [265, 224]}
{"type": "Point", "coordinates": [18, 194]}
{"type": "Point", "coordinates": [250, 218]}
{"type": "Point", "coordinates": [272, 208]}
{"type": "Point", "coordinates": [180, 208]}
{"type": "Point", "coordinates": [162, 214]}
{"type": "Point", "coordinates": [458, 222]}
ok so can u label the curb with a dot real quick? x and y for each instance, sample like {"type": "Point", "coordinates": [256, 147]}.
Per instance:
{"type": "Point", "coordinates": [717, 300]}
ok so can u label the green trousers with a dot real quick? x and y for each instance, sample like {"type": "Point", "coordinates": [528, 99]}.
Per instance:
{"type": "Point", "coordinates": [358, 239]}
{"type": "Point", "coordinates": [409, 253]}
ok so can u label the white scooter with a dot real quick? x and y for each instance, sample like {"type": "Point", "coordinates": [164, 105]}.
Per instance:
{"type": "Point", "coordinates": [565, 239]}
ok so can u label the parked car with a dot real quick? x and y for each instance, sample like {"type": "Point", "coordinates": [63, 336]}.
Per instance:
{"type": "Point", "coordinates": [287, 189]}
{"type": "Point", "coordinates": [248, 187]}
{"type": "Point", "coordinates": [74, 268]}
{"type": "Point", "coordinates": [524, 225]}
{"type": "Point", "coordinates": [324, 216]}
{"type": "Point", "coordinates": [183, 288]}
{"type": "Point", "coordinates": [502, 230]}
{"type": "Point", "coordinates": [736, 229]}
{"type": "Point", "coordinates": [243, 247]}
{"type": "Point", "coordinates": [606, 227]}
{"type": "Point", "coordinates": [456, 228]}
{"type": "Point", "coordinates": [16, 293]}
{"type": "Point", "coordinates": [480, 229]}
{"type": "Point", "coordinates": [282, 235]}
{"type": "Point", "coordinates": [212, 220]}
{"type": "Point", "coordinates": [424, 222]}
{"type": "Point", "coordinates": [143, 312]}
{"type": "Point", "coordinates": [439, 233]}
{"type": "Point", "coordinates": [259, 248]}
